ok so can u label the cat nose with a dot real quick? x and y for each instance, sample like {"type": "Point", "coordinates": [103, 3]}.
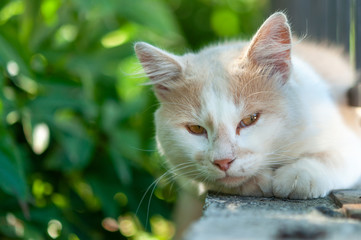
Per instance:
{"type": "Point", "coordinates": [223, 164]}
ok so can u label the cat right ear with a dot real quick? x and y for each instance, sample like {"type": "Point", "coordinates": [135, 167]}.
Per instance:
{"type": "Point", "coordinates": [163, 69]}
{"type": "Point", "coordinates": [271, 46]}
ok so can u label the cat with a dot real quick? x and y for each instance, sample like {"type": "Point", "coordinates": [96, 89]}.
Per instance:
{"type": "Point", "coordinates": [266, 117]}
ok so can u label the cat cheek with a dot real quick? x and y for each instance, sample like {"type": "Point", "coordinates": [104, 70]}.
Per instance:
{"type": "Point", "coordinates": [199, 156]}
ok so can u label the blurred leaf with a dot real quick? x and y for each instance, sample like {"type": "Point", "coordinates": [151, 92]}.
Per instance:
{"type": "Point", "coordinates": [32, 232]}
{"type": "Point", "coordinates": [111, 113]}
{"type": "Point", "coordinates": [29, 18]}
{"type": "Point", "coordinates": [221, 16]}
{"type": "Point", "coordinates": [121, 167]}
{"type": "Point", "coordinates": [10, 52]}
{"type": "Point", "coordinates": [106, 191]}
{"type": "Point", "coordinates": [12, 9]}
{"type": "Point", "coordinates": [129, 80]}
{"type": "Point", "coordinates": [127, 142]}
{"type": "Point", "coordinates": [11, 177]}
{"type": "Point", "coordinates": [119, 37]}
{"type": "Point", "coordinates": [76, 141]}
{"type": "Point", "coordinates": [48, 10]}
{"type": "Point", "coordinates": [152, 13]}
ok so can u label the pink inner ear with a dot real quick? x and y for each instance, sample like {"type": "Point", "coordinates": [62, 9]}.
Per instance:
{"type": "Point", "coordinates": [271, 45]}
{"type": "Point", "coordinates": [284, 56]}
{"type": "Point", "coordinates": [161, 87]}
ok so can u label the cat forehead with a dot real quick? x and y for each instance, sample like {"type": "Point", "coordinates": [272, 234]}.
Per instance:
{"type": "Point", "coordinates": [211, 68]}
{"type": "Point", "coordinates": [218, 107]}
{"type": "Point", "coordinates": [217, 58]}
{"type": "Point", "coordinates": [224, 72]}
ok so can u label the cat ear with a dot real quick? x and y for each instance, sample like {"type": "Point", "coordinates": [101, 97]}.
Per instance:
{"type": "Point", "coordinates": [162, 68]}
{"type": "Point", "coordinates": [271, 46]}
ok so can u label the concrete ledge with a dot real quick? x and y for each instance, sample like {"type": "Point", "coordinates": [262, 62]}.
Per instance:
{"type": "Point", "coordinates": [227, 217]}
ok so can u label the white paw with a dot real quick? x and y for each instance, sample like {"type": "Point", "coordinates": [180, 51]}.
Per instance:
{"type": "Point", "coordinates": [304, 179]}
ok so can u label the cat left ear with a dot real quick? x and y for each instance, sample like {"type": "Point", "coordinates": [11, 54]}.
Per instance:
{"type": "Point", "coordinates": [271, 46]}
{"type": "Point", "coordinates": [162, 68]}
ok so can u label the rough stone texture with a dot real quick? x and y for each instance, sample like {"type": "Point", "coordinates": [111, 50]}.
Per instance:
{"type": "Point", "coordinates": [350, 202]}
{"type": "Point", "coordinates": [348, 196]}
{"type": "Point", "coordinates": [229, 217]}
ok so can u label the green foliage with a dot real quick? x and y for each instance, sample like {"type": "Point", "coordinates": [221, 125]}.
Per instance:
{"type": "Point", "coordinates": [76, 133]}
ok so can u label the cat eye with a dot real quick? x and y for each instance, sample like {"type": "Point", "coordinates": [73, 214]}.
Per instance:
{"type": "Point", "coordinates": [196, 129]}
{"type": "Point", "coordinates": [248, 121]}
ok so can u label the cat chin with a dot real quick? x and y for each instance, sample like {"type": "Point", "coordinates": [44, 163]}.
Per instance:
{"type": "Point", "coordinates": [231, 181]}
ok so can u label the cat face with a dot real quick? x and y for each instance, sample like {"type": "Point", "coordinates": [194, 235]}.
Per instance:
{"type": "Point", "coordinates": [224, 110]}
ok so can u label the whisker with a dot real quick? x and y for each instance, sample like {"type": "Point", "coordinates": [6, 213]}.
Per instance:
{"type": "Point", "coordinates": [170, 171]}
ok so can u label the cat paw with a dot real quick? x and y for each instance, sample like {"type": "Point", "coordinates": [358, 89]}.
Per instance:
{"type": "Point", "coordinates": [304, 179]}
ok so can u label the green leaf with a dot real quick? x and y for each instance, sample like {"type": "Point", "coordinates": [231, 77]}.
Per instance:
{"type": "Point", "coordinates": [9, 51]}
{"type": "Point", "coordinates": [75, 140]}
{"type": "Point", "coordinates": [121, 166]}
{"type": "Point", "coordinates": [127, 142]}
{"type": "Point", "coordinates": [11, 180]}
{"type": "Point", "coordinates": [12, 177]}
{"type": "Point", "coordinates": [151, 13]}
{"type": "Point", "coordinates": [56, 93]}
{"type": "Point", "coordinates": [105, 191]}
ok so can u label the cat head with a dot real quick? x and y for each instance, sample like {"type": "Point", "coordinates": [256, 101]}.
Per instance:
{"type": "Point", "coordinates": [226, 109]}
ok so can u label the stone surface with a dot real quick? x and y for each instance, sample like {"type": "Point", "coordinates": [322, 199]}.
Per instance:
{"type": "Point", "coordinates": [350, 201]}
{"type": "Point", "coordinates": [352, 210]}
{"type": "Point", "coordinates": [348, 196]}
{"type": "Point", "coordinates": [228, 217]}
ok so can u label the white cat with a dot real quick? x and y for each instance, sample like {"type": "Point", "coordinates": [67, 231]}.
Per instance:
{"type": "Point", "coordinates": [261, 118]}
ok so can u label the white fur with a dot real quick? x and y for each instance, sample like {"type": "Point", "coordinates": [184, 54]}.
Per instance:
{"type": "Point", "coordinates": [300, 148]}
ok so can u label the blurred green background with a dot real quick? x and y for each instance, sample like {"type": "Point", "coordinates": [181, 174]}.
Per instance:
{"type": "Point", "coordinates": [77, 150]}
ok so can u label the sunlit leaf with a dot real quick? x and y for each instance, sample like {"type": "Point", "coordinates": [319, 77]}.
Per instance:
{"type": "Point", "coordinates": [66, 34]}
{"type": "Point", "coordinates": [129, 79]}
{"type": "Point", "coordinates": [221, 16]}
{"type": "Point", "coordinates": [13, 8]}
{"type": "Point", "coordinates": [115, 38]}
{"type": "Point", "coordinates": [162, 228]}
{"type": "Point", "coordinates": [49, 9]}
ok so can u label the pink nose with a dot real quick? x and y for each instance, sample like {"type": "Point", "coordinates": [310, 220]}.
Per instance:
{"type": "Point", "coordinates": [223, 164]}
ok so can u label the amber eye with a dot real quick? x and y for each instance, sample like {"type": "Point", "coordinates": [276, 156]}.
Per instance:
{"type": "Point", "coordinates": [196, 129]}
{"type": "Point", "coordinates": [248, 121]}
